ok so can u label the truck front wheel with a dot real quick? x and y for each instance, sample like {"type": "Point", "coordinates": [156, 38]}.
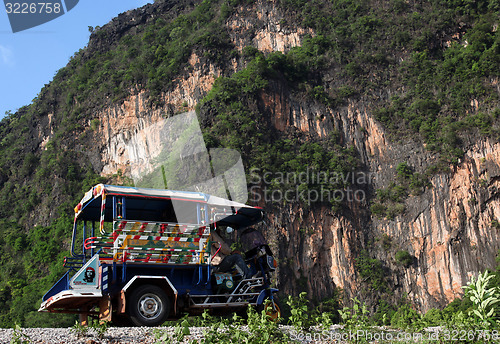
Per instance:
{"type": "Point", "coordinates": [148, 305]}
{"type": "Point", "coordinates": [272, 309]}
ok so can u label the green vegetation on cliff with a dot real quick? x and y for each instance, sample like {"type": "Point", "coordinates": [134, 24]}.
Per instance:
{"type": "Point", "coordinates": [437, 59]}
{"type": "Point", "coordinates": [238, 124]}
{"type": "Point", "coordinates": [437, 56]}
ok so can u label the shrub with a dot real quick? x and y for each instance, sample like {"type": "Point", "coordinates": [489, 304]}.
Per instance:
{"type": "Point", "coordinates": [495, 224]}
{"type": "Point", "coordinates": [384, 313]}
{"type": "Point", "coordinates": [404, 171]}
{"type": "Point", "coordinates": [404, 258]}
{"type": "Point", "coordinates": [389, 202]}
{"type": "Point", "coordinates": [484, 297]}
{"type": "Point", "coordinates": [386, 242]}
{"type": "Point", "coordinates": [299, 312]}
{"type": "Point", "coordinates": [371, 270]}
{"type": "Point", "coordinates": [433, 317]}
{"type": "Point", "coordinates": [355, 318]}
{"type": "Point", "coordinates": [405, 317]}
{"type": "Point", "coordinates": [94, 124]}
{"type": "Point", "coordinates": [378, 209]}
{"type": "Point", "coordinates": [394, 210]}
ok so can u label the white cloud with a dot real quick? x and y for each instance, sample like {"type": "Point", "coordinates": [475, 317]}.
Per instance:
{"type": "Point", "coordinates": [6, 56]}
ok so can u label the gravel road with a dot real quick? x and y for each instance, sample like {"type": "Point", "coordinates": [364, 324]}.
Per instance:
{"type": "Point", "coordinates": [140, 335]}
{"type": "Point", "coordinates": [128, 335]}
{"type": "Point", "coordinates": [131, 335]}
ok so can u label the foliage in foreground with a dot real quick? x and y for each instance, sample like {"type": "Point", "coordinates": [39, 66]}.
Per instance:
{"type": "Point", "coordinates": [95, 328]}
{"type": "Point", "coordinates": [484, 299]}
{"type": "Point", "coordinates": [259, 329]}
{"type": "Point", "coordinates": [18, 337]}
{"type": "Point", "coordinates": [473, 320]}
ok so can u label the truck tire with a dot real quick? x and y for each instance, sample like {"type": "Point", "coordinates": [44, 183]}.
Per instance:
{"type": "Point", "coordinates": [121, 320]}
{"type": "Point", "coordinates": [272, 311]}
{"type": "Point", "coordinates": [148, 305]}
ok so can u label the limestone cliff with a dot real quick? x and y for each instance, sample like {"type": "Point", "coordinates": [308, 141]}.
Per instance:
{"type": "Point", "coordinates": [448, 229]}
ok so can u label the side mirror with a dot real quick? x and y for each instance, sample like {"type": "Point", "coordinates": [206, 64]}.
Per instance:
{"type": "Point", "coordinates": [229, 230]}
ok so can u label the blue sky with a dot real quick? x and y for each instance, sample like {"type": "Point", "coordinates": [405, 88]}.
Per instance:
{"type": "Point", "coordinates": [30, 59]}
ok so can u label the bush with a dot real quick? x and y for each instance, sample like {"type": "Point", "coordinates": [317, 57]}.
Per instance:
{"type": "Point", "coordinates": [299, 312]}
{"type": "Point", "coordinates": [386, 242]}
{"type": "Point", "coordinates": [371, 270]}
{"type": "Point", "coordinates": [378, 209]}
{"type": "Point", "coordinates": [433, 317]}
{"type": "Point", "coordinates": [404, 258]}
{"type": "Point", "coordinates": [456, 306]}
{"type": "Point", "coordinates": [394, 210]}
{"type": "Point", "coordinates": [355, 318]}
{"type": "Point", "coordinates": [384, 313]}
{"type": "Point", "coordinates": [405, 317]}
{"type": "Point", "coordinates": [404, 171]}
{"type": "Point", "coordinates": [484, 297]}
{"type": "Point", "coordinates": [389, 202]}
{"type": "Point", "coordinates": [94, 124]}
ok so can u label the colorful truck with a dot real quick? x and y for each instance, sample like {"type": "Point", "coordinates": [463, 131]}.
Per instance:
{"type": "Point", "coordinates": [141, 256]}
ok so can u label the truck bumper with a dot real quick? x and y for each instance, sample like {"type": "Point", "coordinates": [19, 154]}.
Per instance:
{"type": "Point", "coordinates": [70, 301]}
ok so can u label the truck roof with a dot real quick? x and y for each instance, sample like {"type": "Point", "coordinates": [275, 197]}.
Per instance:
{"type": "Point", "coordinates": [145, 199]}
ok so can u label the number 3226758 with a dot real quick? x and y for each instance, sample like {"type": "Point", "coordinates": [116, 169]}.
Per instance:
{"type": "Point", "coordinates": [32, 8]}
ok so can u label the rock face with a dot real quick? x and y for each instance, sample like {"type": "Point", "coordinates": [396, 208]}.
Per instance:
{"type": "Point", "coordinates": [448, 229]}
{"type": "Point", "coordinates": [451, 229]}
{"type": "Point", "coordinates": [263, 21]}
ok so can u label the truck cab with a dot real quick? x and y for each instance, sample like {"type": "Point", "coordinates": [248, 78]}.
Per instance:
{"type": "Point", "coordinates": [141, 256]}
